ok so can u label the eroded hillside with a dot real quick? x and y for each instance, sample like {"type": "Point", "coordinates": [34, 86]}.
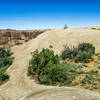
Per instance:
{"type": "Point", "coordinates": [10, 38]}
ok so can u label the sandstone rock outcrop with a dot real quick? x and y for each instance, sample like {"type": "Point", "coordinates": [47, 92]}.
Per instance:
{"type": "Point", "coordinates": [10, 38]}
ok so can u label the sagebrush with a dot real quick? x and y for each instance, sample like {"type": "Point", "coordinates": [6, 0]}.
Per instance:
{"type": "Point", "coordinates": [82, 53]}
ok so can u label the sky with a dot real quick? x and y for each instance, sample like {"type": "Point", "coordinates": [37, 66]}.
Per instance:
{"type": "Point", "coordinates": [45, 14]}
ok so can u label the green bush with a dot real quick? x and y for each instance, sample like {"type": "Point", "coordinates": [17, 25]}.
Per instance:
{"type": "Point", "coordinates": [93, 28]}
{"type": "Point", "coordinates": [3, 77]}
{"type": "Point", "coordinates": [65, 26]}
{"type": "Point", "coordinates": [5, 57]}
{"type": "Point", "coordinates": [62, 74]}
{"type": "Point", "coordinates": [88, 79]}
{"type": "Point", "coordinates": [46, 68]}
{"type": "Point", "coordinates": [6, 60]}
{"type": "Point", "coordinates": [91, 80]}
{"type": "Point", "coordinates": [42, 59]}
{"type": "Point", "coordinates": [67, 53]}
{"type": "Point", "coordinates": [82, 53]}
{"type": "Point", "coordinates": [87, 47]}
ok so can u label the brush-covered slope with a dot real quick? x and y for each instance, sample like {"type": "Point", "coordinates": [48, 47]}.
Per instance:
{"type": "Point", "coordinates": [21, 87]}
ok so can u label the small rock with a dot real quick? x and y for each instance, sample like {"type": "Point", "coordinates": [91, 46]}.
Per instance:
{"type": "Point", "coordinates": [74, 97]}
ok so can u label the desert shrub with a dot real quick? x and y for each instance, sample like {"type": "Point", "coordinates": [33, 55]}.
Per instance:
{"type": "Point", "coordinates": [93, 28]}
{"type": "Point", "coordinates": [46, 68]}
{"type": "Point", "coordinates": [6, 60]}
{"type": "Point", "coordinates": [40, 60]}
{"type": "Point", "coordinates": [67, 53]}
{"type": "Point", "coordinates": [65, 26]}
{"type": "Point", "coordinates": [88, 79]}
{"type": "Point", "coordinates": [87, 47]}
{"type": "Point", "coordinates": [5, 57]}
{"type": "Point", "coordinates": [82, 53]}
{"type": "Point", "coordinates": [3, 77]}
{"type": "Point", "coordinates": [90, 82]}
{"type": "Point", "coordinates": [62, 74]}
{"type": "Point", "coordinates": [93, 72]}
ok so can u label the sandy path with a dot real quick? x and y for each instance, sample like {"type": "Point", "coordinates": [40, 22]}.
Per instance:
{"type": "Point", "coordinates": [20, 87]}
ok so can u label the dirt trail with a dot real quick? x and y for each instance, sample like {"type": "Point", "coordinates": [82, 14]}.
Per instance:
{"type": "Point", "coordinates": [21, 87]}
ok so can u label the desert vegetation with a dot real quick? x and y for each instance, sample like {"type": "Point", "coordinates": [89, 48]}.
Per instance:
{"type": "Point", "coordinates": [65, 26]}
{"type": "Point", "coordinates": [68, 69]}
{"type": "Point", "coordinates": [47, 69]}
{"type": "Point", "coordinates": [6, 60]}
{"type": "Point", "coordinates": [53, 69]}
{"type": "Point", "coordinates": [93, 28]}
{"type": "Point", "coordinates": [82, 53]}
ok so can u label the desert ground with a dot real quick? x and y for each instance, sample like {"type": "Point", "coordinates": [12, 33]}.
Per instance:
{"type": "Point", "coordinates": [21, 87]}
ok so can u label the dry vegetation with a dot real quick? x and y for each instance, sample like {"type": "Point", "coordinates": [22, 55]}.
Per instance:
{"type": "Point", "coordinates": [90, 77]}
{"type": "Point", "coordinates": [72, 70]}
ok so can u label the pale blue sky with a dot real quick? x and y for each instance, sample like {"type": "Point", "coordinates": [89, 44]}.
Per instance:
{"type": "Point", "coordinates": [43, 14]}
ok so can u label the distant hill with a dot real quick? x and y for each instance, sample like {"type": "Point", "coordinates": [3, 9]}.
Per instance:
{"type": "Point", "coordinates": [10, 37]}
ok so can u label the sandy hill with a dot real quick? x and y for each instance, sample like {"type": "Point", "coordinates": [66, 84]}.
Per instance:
{"type": "Point", "coordinates": [21, 87]}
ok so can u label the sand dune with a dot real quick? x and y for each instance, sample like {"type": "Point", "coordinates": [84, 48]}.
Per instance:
{"type": "Point", "coordinates": [21, 87]}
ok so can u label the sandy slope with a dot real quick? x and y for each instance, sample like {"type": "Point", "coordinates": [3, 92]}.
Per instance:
{"type": "Point", "coordinates": [20, 87]}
